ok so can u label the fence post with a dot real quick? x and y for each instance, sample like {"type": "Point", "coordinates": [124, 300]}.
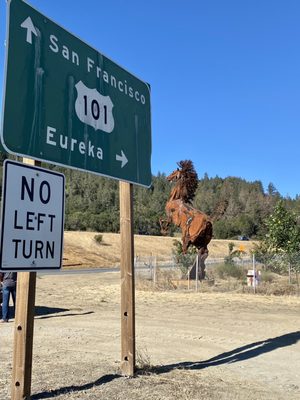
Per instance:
{"type": "Point", "coordinates": [254, 273]}
{"type": "Point", "coordinates": [197, 271]}
{"type": "Point", "coordinates": [154, 271]}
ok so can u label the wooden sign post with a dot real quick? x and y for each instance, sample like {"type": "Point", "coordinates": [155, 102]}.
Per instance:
{"type": "Point", "coordinates": [23, 336]}
{"type": "Point", "coordinates": [127, 280]}
{"type": "Point", "coordinates": [23, 333]}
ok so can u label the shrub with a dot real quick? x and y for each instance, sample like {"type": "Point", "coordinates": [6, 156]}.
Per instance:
{"type": "Point", "coordinates": [98, 238]}
{"type": "Point", "coordinates": [232, 254]}
{"type": "Point", "coordinates": [267, 276]}
{"type": "Point", "coordinates": [230, 270]}
{"type": "Point", "coordinates": [143, 361]}
{"type": "Point", "coordinates": [183, 261]}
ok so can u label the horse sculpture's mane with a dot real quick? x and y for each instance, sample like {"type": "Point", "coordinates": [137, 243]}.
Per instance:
{"type": "Point", "coordinates": [186, 185]}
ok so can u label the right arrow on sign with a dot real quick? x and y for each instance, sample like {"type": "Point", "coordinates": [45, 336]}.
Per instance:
{"type": "Point", "coordinates": [28, 24]}
{"type": "Point", "coordinates": [122, 158]}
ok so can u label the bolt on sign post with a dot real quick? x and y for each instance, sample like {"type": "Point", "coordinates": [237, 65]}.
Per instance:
{"type": "Point", "coordinates": [68, 104]}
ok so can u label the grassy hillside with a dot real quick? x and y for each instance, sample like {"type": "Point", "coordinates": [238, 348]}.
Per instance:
{"type": "Point", "coordinates": [81, 248]}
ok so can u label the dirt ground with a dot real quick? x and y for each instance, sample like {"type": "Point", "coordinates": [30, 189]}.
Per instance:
{"type": "Point", "coordinates": [191, 345]}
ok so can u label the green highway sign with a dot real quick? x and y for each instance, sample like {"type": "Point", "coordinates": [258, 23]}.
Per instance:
{"type": "Point", "coordinates": [68, 104]}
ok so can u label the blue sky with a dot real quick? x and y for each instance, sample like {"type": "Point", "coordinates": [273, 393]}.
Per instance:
{"type": "Point", "coordinates": [224, 76]}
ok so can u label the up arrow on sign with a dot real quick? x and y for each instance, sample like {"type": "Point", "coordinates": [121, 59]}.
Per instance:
{"type": "Point", "coordinates": [28, 24]}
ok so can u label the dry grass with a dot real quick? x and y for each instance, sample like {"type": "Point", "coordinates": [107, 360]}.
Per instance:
{"type": "Point", "coordinates": [171, 280]}
{"type": "Point", "coordinates": [80, 248]}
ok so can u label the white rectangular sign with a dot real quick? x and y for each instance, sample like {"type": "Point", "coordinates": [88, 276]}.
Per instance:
{"type": "Point", "coordinates": [32, 223]}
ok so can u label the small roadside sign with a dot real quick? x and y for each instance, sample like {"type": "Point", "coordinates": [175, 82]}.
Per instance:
{"type": "Point", "coordinates": [68, 104]}
{"type": "Point", "coordinates": [33, 200]}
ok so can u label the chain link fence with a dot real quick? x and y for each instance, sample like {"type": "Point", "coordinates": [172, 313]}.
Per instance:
{"type": "Point", "coordinates": [160, 273]}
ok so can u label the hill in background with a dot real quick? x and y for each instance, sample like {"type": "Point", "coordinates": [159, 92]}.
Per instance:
{"type": "Point", "coordinates": [237, 207]}
{"type": "Point", "coordinates": [82, 250]}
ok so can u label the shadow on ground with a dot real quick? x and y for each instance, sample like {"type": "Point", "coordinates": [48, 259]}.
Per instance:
{"type": "Point", "coordinates": [67, 389]}
{"type": "Point", "coordinates": [236, 355]}
{"type": "Point", "coordinates": [239, 354]}
{"type": "Point", "coordinates": [42, 312]}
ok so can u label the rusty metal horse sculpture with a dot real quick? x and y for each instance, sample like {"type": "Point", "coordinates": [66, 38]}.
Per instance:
{"type": "Point", "coordinates": [196, 228]}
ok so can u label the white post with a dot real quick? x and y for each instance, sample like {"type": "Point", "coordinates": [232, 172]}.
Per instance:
{"type": "Point", "coordinates": [154, 272]}
{"type": "Point", "coordinates": [254, 273]}
{"type": "Point", "coordinates": [197, 271]}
